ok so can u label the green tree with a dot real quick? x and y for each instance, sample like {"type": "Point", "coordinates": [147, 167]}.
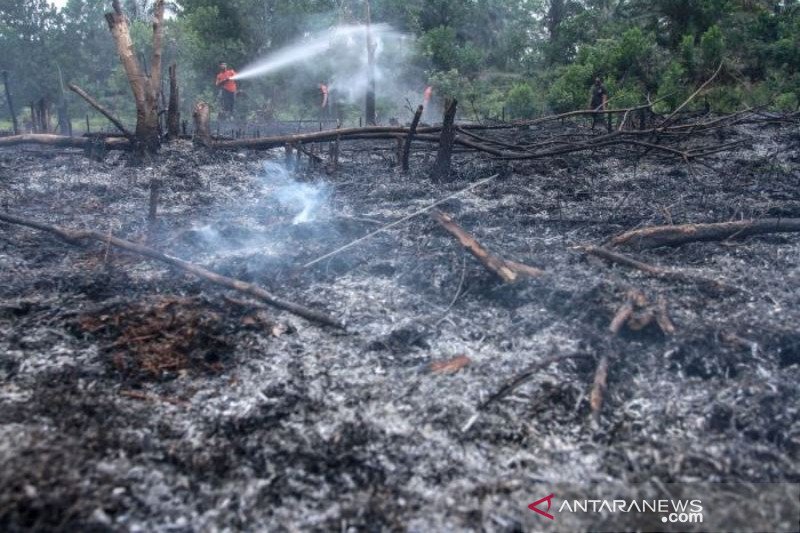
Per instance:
{"type": "Point", "coordinates": [28, 39]}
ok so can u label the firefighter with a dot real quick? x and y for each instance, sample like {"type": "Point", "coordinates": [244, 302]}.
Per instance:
{"type": "Point", "coordinates": [227, 89]}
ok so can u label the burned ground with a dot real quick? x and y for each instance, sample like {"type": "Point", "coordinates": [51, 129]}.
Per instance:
{"type": "Point", "coordinates": [135, 397]}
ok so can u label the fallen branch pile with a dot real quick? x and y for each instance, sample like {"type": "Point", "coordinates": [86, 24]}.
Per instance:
{"type": "Point", "coordinates": [683, 141]}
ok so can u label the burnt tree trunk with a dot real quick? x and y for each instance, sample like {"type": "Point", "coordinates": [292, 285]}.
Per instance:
{"type": "Point", "coordinates": [145, 88]}
{"type": "Point", "coordinates": [410, 138]}
{"type": "Point", "coordinates": [10, 101]}
{"type": "Point", "coordinates": [44, 115]}
{"type": "Point", "coordinates": [441, 169]}
{"type": "Point", "coordinates": [34, 120]}
{"type": "Point", "coordinates": [40, 116]}
{"type": "Point", "coordinates": [173, 111]}
{"type": "Point", "coordinates": [370, 103]}
{"type": "Point", "coordinates": [64, 122]}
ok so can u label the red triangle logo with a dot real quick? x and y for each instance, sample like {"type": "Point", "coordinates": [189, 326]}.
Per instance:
{"type": "Point", "coordinates": [535, 506]}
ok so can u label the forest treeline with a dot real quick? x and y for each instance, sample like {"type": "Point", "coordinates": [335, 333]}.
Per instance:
{"type": "Point", "coordinates": [520, 57]}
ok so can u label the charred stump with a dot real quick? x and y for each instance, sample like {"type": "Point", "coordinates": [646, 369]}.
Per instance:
{"type": "Point", "coordinates": [410, 139]}
{"type": "Point", "coordinates": [441, 169]}
{"type": "Point", "coordinates": [202, 127]}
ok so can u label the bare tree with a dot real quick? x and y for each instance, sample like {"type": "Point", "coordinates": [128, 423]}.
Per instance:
{"type": "Point", "coordinates": [145, 88]}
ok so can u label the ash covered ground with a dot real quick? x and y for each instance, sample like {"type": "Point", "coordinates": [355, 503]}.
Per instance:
{"type": "Point", "coordinates": [135, 397]}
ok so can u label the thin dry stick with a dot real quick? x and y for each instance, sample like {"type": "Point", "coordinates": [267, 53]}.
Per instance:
{"type": "Point", "coordinates": [457, 295]}
{"type": "Point", "coordinates": [655, 271]}
{"type": "Point", "coordinates": [599, 386]}
{"type": "Point", "coordinates": [517, 382]}
{"type": "Point", "coordinates": [398, 222]}
{"type": "Point", "coordinates": [78, 236]}
{"type": "Point", "coordinates": [108, 246]}
{"type": "Point", "coordinates": [691, 97]}
{"type": "Point", "coordinates": [525, 376]}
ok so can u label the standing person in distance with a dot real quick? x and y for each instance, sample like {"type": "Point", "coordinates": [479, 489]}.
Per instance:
{"type": "Point", "coordinates": [227, 90]}
{"type": "Point", "coordinates": [598, 102]}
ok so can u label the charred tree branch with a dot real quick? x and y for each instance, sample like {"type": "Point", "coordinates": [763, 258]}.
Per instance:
{"type": "Point", "coordinates": [508, 271]}
{"type": "Point", "coordinates": [102, 110]}
{"type": "Point", "coordinates": [78, 236]}
{"type": "Point", "coordinates": [656, 236]}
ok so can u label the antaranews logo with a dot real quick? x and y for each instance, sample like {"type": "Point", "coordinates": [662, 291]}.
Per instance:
{"type": "Point", "coordinates": [672, 511]}
{"type": "Point", "coordinates": [535, 506]}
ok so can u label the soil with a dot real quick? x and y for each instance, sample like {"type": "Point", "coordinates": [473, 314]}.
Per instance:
{"type": "Point", "coordinates": [134, 397]}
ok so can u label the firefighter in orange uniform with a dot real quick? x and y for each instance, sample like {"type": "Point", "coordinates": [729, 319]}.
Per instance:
{"type": "Point", "coordinates": [228, 88]}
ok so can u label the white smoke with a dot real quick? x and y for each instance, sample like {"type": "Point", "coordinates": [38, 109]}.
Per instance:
{"type": "Point", "coordinates": [304, 199]}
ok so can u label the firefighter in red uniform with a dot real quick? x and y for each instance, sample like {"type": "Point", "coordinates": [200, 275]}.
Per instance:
{"type": "Point", "coordinates": [228, 88]}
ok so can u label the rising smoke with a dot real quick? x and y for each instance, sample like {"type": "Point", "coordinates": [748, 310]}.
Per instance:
{"type": "Point", "coordinates": [305, 201]}
{"type": "Point", "coordinates": [262, 228]}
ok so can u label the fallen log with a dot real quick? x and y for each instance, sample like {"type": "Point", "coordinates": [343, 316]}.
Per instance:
{"type": "Point", "coordinates": [508, 271]}
{"type": "Point", "coordinates": [77, 237]}
{"type": "Point", "coordinates": [311, 155]}
{"type": "Point", "coordinates": [497, 149]}
{"type": "Point", "coordinates": [656, 236]}
{"type": "Point", "coordinates": [265, 143]}
{"type": "Point", "coordinates": [62, 141]}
